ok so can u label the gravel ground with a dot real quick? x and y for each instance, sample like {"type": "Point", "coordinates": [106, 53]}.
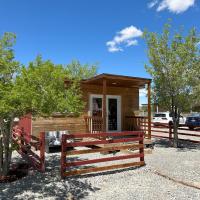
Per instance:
{"type": "Point", "coordinates": [133, 183]}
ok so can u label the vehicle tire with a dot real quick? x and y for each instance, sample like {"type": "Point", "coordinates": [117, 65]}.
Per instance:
{"type": "Point", "coordinates": [191, 127]}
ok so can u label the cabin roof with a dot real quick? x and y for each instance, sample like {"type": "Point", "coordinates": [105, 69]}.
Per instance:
{"type": "Point", "coordinates": [117, 80]}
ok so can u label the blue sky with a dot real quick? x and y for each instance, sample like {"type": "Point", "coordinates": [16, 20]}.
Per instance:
{"type": "Point", "coordinates": [106, 32]}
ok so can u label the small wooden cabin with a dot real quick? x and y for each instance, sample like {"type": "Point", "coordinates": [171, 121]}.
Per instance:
{"type": "Point", "coordinates": [110, 104]}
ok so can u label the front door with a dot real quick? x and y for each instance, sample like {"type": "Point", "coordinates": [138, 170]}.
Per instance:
{"type": "Point", "coordinates": [113, 107]}
{"type": "Point", "coordinates": [113, 113]}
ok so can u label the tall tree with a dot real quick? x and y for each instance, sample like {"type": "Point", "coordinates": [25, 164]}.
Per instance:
{"type": "Point", "coordinates": [174, 69]}
{"type": "Point", "coordinates": [76, 70]}
{"type": "Point", "coordinates": [8, 68]}
{"type": "Point", "coordinates": [38, 89]}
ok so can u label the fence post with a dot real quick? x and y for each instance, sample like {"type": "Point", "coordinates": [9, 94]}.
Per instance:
{"type": "Point", "coordinates": [170, 133]}
{"type": "Point", "coordinates": [22, 137]}
{"type": "Point", "coordinates": [141, 142]}
{"type": "Point", "coordinates": [42, 149]}
{"type": "Point", "coordinates": [63, 156]}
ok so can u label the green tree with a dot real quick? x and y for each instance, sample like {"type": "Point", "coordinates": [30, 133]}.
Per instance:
{"type": "Point", "coordinates": [174, 67]}
{"type": "Point", "coordinates": [38, 89]}
{"type": "Point", "coordinates": [78, 71]}
{"type": "Point", "coordinates": [8, 68]}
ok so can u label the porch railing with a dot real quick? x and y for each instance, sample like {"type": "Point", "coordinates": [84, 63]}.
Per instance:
{"type": "Point", "coordinates": [94, 124]}
{"type": "Point", "coordinates": [137, 123]}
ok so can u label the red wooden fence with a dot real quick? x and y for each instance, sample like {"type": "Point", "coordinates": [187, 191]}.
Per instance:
{"type": "Point", "coordinates": [25, 123]}
{"type": "Point", "coordinates": [163, 130]}
{"type": "Point", "coordinates": [110, 142]}
{"type": "Point", "coordinates": [27, 145]}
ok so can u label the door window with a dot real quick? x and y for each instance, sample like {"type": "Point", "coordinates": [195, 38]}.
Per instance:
{"type": "Point", "coordinates": [97, 106]}
{"type": "Point", "coordinates": [112, 114]}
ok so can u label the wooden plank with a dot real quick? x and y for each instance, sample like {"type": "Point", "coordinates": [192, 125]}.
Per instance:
{"type": "Point", "coordinates": [141, 150]}
{"type": "Point", "coordinates": [132, 151]}
{"type": "Point", "coordinates": [63, 156]}
{"type": "Point", "coordinates": [85, 162]}
{"type": "Point", "coordinates": [78, 144]}
{"type": "Point", "coordinates": [35, 138]}
{"type": "Point", "coordinates": [42, 150]}
{"type": "Point", "coordinates": [149, 109]}
{"type": "Point", "coordinates": [32, 160]}
{"type": "Point", "coordinates": [36, 157]}
{"type": "Point", "coordinates": [158, 131]}
{"type": "Point", "coordinates": [104, 134]}
{"type": "Point", "coordinates": [157, 126]}
{"type": "Point", "coordinates": [121, 147]}
{"type": "Point", "coordinates": [188, 134]}
{"type": "Point", "coordinates": [185, 129]}
{"type": "Point", "coordinates": [104, 168]}
{"type": "Point", "coordinates": [25, 148]}
{"type": "Point", "coordinates": [170, 132]}
{"type": "Point", "coordinates": [36, 145]}
{"type": "Point", "coordinates": [188, 140]}
{"type": "Point", "coordinates": [104, 104]}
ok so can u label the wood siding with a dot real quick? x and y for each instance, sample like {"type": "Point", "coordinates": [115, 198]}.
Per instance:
{"type": "Point", "coordinates": [129, 104]}
{"type": "Point", "coordinates": [129, 98]}
{"type": "Point", "coordinates": [72, 124]}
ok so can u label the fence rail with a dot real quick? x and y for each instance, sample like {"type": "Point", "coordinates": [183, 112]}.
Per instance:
{"type": "Point", "coordinates": [134, 123]}
{"type": "Point", "coordinates": [27, 147]}
{"type": "Point", "coordinates": [110, 142]}
{"type": "Point", "coordinates": [163, 130]}
{"type": "Point", "coordinates": [94, 124]}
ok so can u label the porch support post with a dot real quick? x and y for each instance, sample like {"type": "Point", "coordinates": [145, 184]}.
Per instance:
{"type": "Point", "coordinates": [104, 104]}
{"type": "Point", "coordinates": [149, 110]}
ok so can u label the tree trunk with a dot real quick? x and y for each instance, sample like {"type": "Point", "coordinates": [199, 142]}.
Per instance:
{"type": "Point", "coordinates": [175, 125]}
{"type": "Point", "coordinates": [1, 147]}
{"type": "Point", "coordinates": [5, 146]}
{"type": "Point", "coordinates": [176, 116]}
{"type": "Point", "coordinates": [1, 155]}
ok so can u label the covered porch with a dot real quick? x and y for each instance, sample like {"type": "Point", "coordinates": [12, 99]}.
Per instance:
{"type": "Point", "coordinates": [108, 111]}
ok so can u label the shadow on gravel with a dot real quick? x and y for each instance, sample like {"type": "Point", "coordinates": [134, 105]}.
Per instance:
{"type": "Point", "coordinates": [108, 172]}
{"type": "Point", "coordinates": [162, 143]}
{"type": "Point", "coordinates": [47, 185]}
{"type": "Point", "coordinates": [183, 145]}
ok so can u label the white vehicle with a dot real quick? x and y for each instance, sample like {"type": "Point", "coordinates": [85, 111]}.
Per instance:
{"type": "Point", "coordinates": [165, 118]}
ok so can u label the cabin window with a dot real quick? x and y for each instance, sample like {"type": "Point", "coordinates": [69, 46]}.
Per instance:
{"type": "Point", "coordinates": [97, 106]}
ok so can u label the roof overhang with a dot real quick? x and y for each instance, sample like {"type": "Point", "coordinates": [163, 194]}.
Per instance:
{"type": "Point", "coordinates": [117, 81]}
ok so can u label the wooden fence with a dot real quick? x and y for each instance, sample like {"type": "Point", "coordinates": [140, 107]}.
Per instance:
{"type": "Point", "coordinates": [163, 130]}
{"type": "Point", "coordinates": [94, 124]}
{"type": "Point", "coordinates": [135, 123]}
{"type": "Point", "coordinates": [110, 142]}
{"type": "Point", "coordinates": [27, 147]}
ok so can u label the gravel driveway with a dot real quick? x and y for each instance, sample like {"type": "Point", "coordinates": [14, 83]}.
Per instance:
{"type": "Point", "coordinates": [135, 183]}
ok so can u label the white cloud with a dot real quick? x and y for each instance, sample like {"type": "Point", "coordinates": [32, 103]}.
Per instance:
{"type": "Point", "coordinates": [131, 43]}
{"type": "Point", "coordinates": [125, 36]}
{"type": "Point", "coordinates": [112, 47]}
{"type": "Point", "coordinates": [175, 6]}
{"type": "Point", "coordinates": [152, 3]}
